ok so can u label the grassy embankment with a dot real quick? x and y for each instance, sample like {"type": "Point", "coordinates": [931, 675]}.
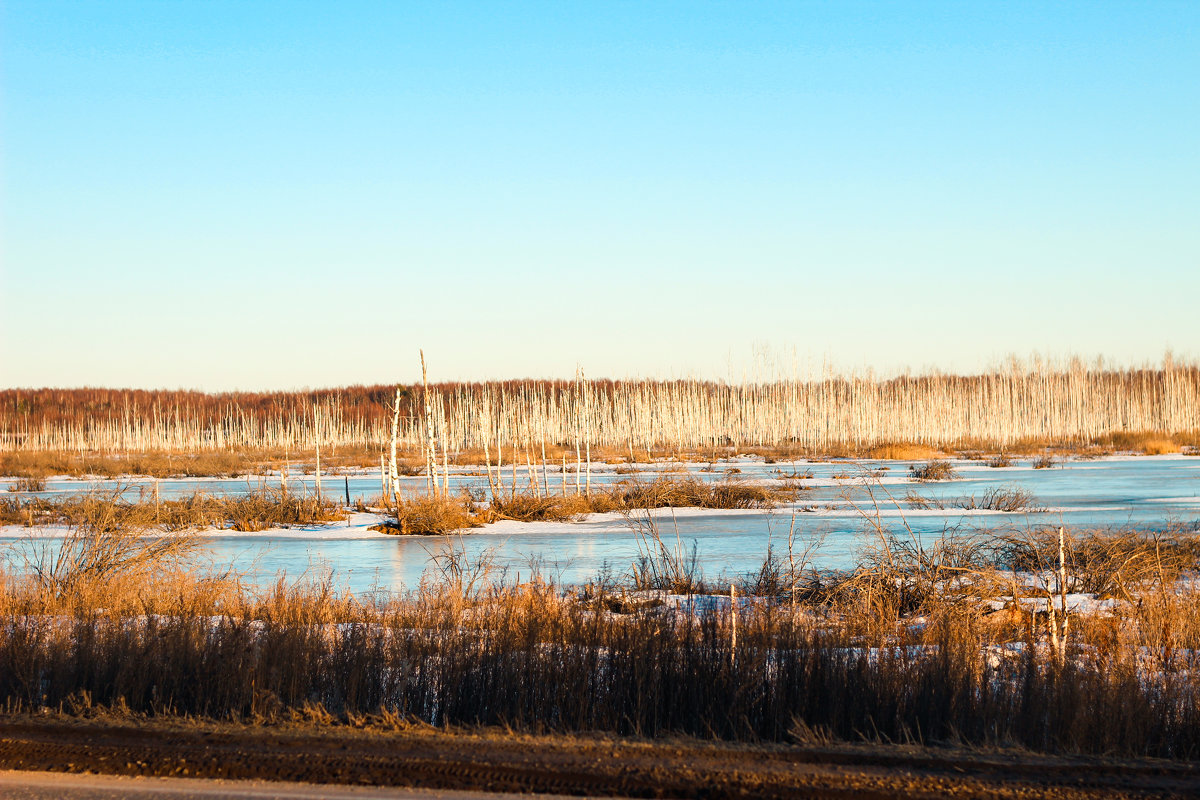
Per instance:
{"type": "Point", "coordinates": [923, 642]}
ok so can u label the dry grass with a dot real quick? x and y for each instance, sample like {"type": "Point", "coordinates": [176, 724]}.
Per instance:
{"type": "Point", "coordinates": [274, 508]}
{"type": "Point", "coordinates": [1158, 447]}
{"type": "Point", "coordinates": [436, 516]}
{"type": "Point", "coordinates": [433, 516]}
{"type": "Point", "coordinates": [43, 464]}
{"type": "Point", "coordinates": [270, 507]}
{"type": "Point", "coordinates": [937, 470]}
{"type": "Point", "coordinates": [34, 466]}
{"type": "Point", "coordinates": [847, 659]}
{"type": "Point", "coordinates": [1150, 442]}
{"type": "Point", "coordinates": [901, 451]}
{"type": "Point", "coordinates": [900, 648]}
{"type": "Point", "coordinates": [120, 508]}
{"type": "Point", "coordinates": [1001, 498]}
{"type": "Point", "coordinates": [528, 507]}
{"type": "Point", "coordinates": [1107, 563]}
{"type": "Point", "coordinates": [172, 464]}
{"type": "Point", "coordinates": [664, 491]}
{"type": "Point", "coordinates": [667, 491]}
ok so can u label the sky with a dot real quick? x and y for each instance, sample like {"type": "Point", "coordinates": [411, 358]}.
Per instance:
{"type": "Point", "coordinates": [259, 195]}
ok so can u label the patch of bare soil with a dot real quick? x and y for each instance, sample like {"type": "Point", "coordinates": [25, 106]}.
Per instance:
{"type": "Point", "coordinates": [597, 766]}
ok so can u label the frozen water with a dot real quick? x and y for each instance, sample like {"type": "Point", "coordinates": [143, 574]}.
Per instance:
{"type": "Point", "coordinates": [1141, 492]}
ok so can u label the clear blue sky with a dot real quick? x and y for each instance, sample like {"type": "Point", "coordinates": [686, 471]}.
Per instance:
{"type": "Point", "coordinates": [253, 194]}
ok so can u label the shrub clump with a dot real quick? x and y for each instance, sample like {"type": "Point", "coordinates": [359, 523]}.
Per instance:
{"type": "Point", "coordinates": [936, 470]}
{"type": "Point", "coordinates": [430, 516]}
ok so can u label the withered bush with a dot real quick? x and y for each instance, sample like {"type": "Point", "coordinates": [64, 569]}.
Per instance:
{"type": "Point", "coordinates": [936, 470]}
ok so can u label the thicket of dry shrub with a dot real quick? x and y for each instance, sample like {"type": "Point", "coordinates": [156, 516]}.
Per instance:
{"type": "Point", "coordinates": [443, 514]}
{"type": "Point", "coordinates": [1009, 499]}
{"type": "Point", "coordinates": [426, 516]}
{"type": "Point", "coordinates": [1107, 563]}
{"type": "Point", "coordinates": [526, 507]}
{"type": "Point", "coordinates": [936, 470]}
{"type": "Point", "coordinates": [901, 648]}
{"type": "Point", "coordinates": [120, 507]}
{"type": "Point", "coordinates": [535, 660]}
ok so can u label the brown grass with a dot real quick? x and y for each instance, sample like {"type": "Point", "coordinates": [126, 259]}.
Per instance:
{"type": "Point", "coordinates": [430, 516]}
{"type": "Point", "coordinates": [217, 463]}
{"type": "Point", "coordinates": [1158, 447]}
{"type": "Point", "coordinates": [37, 465]}
{"type": "Point", "coordinates": [527, 507]}
{"type": "Point", "coordinates": [1151, 442]}
{"type": "Point", "coordinates": [936, 470]}
{"type": "Point", "coordinates": [901, 648]}
{"type": "Point", "coordinates": [901, 451]}
{"type": "Point", "coordinates": [440, 515]}
{"type": "Point", "coordinates": [119, 508]}
{"type": "Point", "coordinates": [1009, 499]}
{"type": "Point", "coordinates": [272, 507]}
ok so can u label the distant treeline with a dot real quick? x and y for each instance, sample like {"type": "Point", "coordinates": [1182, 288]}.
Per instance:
{"type": "Point", "coordinates": [1053, 403]}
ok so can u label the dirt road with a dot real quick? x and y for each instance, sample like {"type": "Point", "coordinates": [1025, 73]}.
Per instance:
{"type": "Point", "coordinates": [597, 766]}
{"type": "Point", "coordinates": [65, 786]}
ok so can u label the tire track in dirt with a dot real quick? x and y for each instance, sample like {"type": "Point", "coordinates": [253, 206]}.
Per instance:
{"type": "Point", "coordinates": [573, 766]}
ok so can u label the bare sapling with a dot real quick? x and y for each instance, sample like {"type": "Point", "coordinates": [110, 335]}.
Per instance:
{"type": "Point", "coordinates": [445, 462]}
{"type": "Point", "coordinates": [1054, 588]}
{"type": "Point", "coordinates": [487, 457]}
{"type": "Point", "coordinates": [393, 475]}
{"type": "Point", "coordinates": [499, 465]}
{"type": "Point", "coordinates": [1062, 594]}
{"type": "Point", "coordinates": [578, 432]}
{"type": "Point", "coordinates": [587, 432]}
{"type": "Point", "coordinates": [384, 486]}
{"type": "Point", "coordinates": [545, 474]}
{"type": "Point", "coordinates": [533, 482]}
{"type": "Point", "coordinates": [430, 454]}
